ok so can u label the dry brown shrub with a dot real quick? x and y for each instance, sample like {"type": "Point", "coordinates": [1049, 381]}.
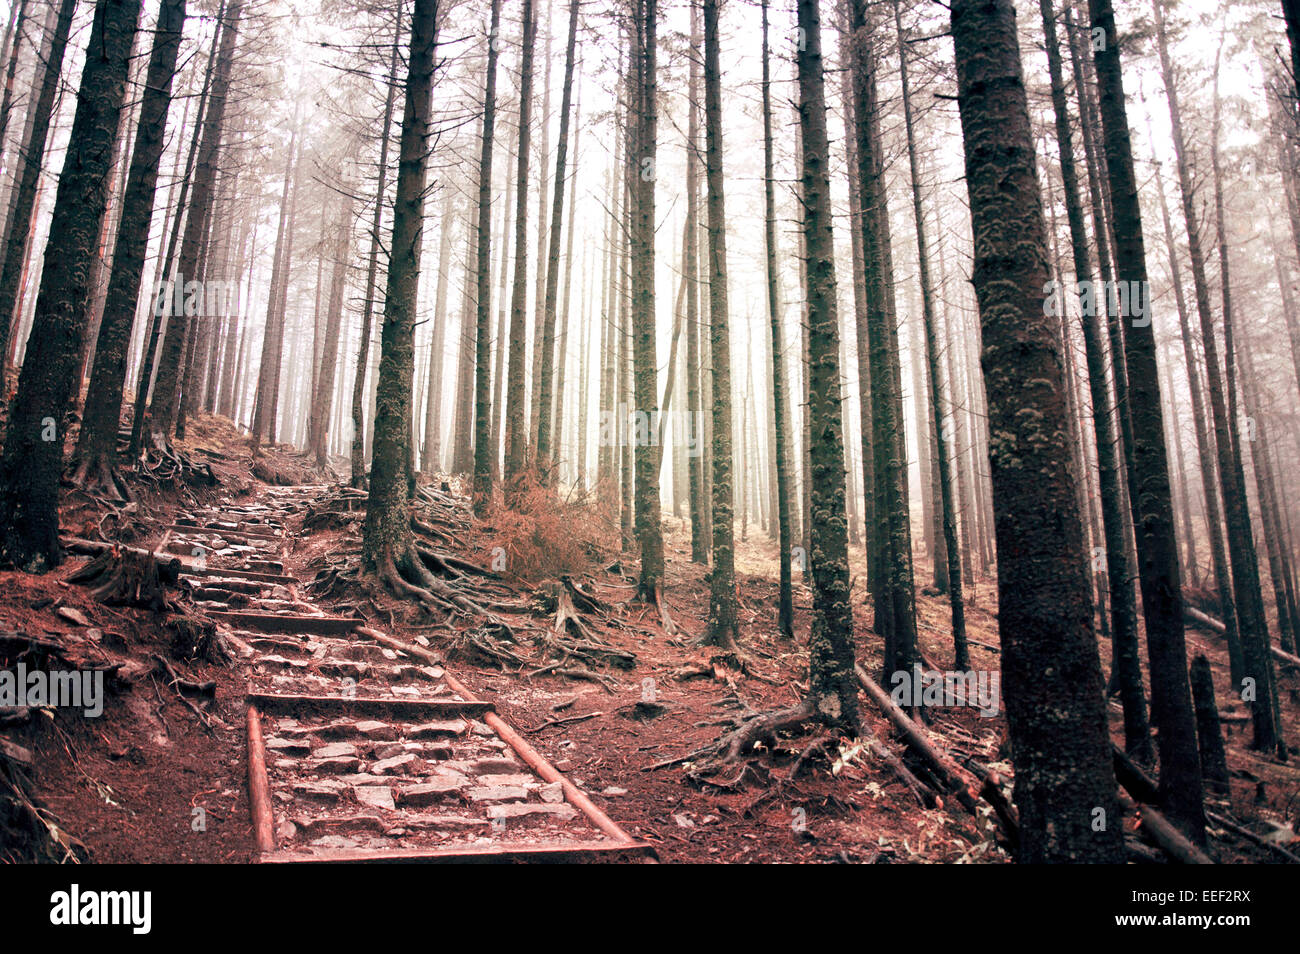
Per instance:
{"type": "Point", "coordinates": [545, 532]}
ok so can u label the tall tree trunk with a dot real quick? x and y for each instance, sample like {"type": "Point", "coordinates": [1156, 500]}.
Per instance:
{"type": "Point", "coordinates": [723, 628]}
{"type": "Point", "coordinates": [895, 611]}
{"type": "Point", "coordinates": [358, 443]}
{"type": "Point", "coordinates": [1162, 598]}
{"type": "Point", "coordinates": [318, 432]}
{"type": "Point", "coordinates": [163, 407]}
{"type": "Point", "coordinates": [97, 441]}
{"type": "Point", "coordinates": [1123, 608]}
{"type": "Point", "coordinates": [484, 449]}
{"type": "Point", "coordinates": [18, 225]}
{"type": "Point", "coordinates": [516, 393]}
{"type": "Point", "coordinates": [431, 459]}
{"type": "Point", "coordinates": [273, 330]}
{"type": "Point", "coordinates": [832, 683]}
{"type": "Point", "coordinates": [1238, 531]}
{"type": "Point", "coordinates": [780, 388]}
{"type": "Point", "coordinates": [34, 441]}
{"type": "Point", "coordinates": [387, 541]}
{"type": "Point", "coordinates": [951, 548]}
{"type": "Point", "coordinates": [644, 124]}
{"type": "Point", "coordinates": [700, 529]}
{"type": "Point", "coordinates": [546, 398]}
{"type": "Point", "coordinates": [1056, 715]}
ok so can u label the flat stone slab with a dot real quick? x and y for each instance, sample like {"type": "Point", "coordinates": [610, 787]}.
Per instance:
{"type": "Point", "coordinates": [337, 766]}
{"type": "Point", "coordinates": [281, 746]}
{"type": "Point", "coordinates": [531, 811]}
{"type": "Point", "coordinates": [432, 791]}
{"type": "Point", "coordinates": [516, 779]}
{"type": "Point", "coordinates": [397, 765]}
{"type": "Point", "coordinates": [498, 793]}
{"type": "Point", "coordinates": [376, 796]}
{"type": "Point", "coordinates": [438, 729]}
{"type": "Point", "coordinates": [337, 824]}
{"type": "Point", "coordinates": [374, 729]}
{"type": "Point", "coordinates": [335, 750]}
{"type": "Point", "coordinates": [327, 790]}
{"type": "Point", "coordinates": [494, 767]}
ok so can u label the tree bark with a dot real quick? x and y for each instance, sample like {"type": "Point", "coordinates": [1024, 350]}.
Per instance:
{"type": "Point", "coordinates": [1171, 709]}
{"type": "Point", "coordinates": [832, 682]}
{"type": "Point", "coordinates": [47, 385]}
{"type": "Point", "coordinates": [1064, 781]}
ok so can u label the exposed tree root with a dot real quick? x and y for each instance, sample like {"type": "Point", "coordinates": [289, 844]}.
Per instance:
{"type": "Point", "coordinates": [128, 578]}
{"type": "Point", "coordinates": [98, 475]}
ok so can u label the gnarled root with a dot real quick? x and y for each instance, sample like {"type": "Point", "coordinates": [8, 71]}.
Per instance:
{"type": "Point", "coordinates": [97, 474]}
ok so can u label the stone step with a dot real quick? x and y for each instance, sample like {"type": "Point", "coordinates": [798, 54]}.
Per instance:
{"type": "Point", "coordinates": [288, 622]}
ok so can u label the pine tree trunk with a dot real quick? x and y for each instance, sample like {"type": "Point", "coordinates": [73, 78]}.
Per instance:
{"type": "Point", "coordinates": [700, 529]}
{"type": "Point", "coordinates": [895, 612]}
{"type": "Point", "coordinates": [951, 554]}
{"type": "Point", "coordinates": [386, 536]}
{"type": "Point", "coordinates": [47, 385]}
{"type": "Point", "coordinates": [484, 448]}
{"type": "Point", "coordinates": [1162, 600]}
{"type": "Point", "coordinates": [18, 225]}
{"type": "Point", "coordinates": [318, 431]}
{"type": "Point", "coordinates": [832, 683]}
{"type": "Point", "coordinates": [165, 403]}
{"type": "Point", "coordinates": [780, 388]}
{"type": "Point", "coordinates": [358, 443]}
{"type": "Point", "coordinates": [1052, 677]}
{"type": "Point", "coordinates": [1123, 608]}
{"type": "Point", "coordinates": [97, 441]}
{"type": "Point", "coordinates": [516, 424]}
{"type": "Point", "coordinates": [268, 366]}
{"type": "Point", "coordinates": [643, 123]}
{"type": "Point", "coordinates": [723, 628]}
{"type": "Point", "coordinates": [1239, 535]}
{"type": "Point", "coordinates": [546, 397]}
{"type": "Point", "coordinates": [431, 458]}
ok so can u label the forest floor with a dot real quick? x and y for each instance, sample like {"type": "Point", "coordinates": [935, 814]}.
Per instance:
{"type": "Point", "coordinates": [148, 782]}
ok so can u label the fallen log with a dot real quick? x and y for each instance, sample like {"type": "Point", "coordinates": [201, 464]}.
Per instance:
{"type": "Point", "coordinates": [1214, 625]}
{"type": "Point", "coordinates": [955, 780]}
{"type": "Point", "coordinates": [1159, 829]}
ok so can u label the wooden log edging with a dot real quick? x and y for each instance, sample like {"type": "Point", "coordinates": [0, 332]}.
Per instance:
{"type": "Point", "coordinates": [259, 785]}
{"type": "Point", "coordinates": [531, 757]}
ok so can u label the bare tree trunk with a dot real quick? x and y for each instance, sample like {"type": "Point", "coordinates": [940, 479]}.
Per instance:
{"type": "Point", "coordinates": [895, 611]}
{"type": "Point", "coordinates": [165, 403]}
{"type": "Point", "coordinates": [358, 448]}
{"type": "Point", "coordinates": [1062, 750]}
{"type": "Point", "coordinates": [723, 628]}
{"type": "Point", "coordinates": [516, 426]}
{"type": "Point", "coordinates": [780, 388]}
{"type": "Point", "coordinates": [951, 549]}
{"type": "Point", "coordinates": [546, 400]}
{"type": "Point", "coordinates": [484, 449]}
{"type": "Point", "coordinates": [19, 223]}
{"type": "Point", "coordinates": [47, 385]}
{"type": "Point", "coordinates": [387, 537]}
{"type": "Point", "coordinates": [97, 442]}
{"type": "Point", "coordinates": [832, 682]}
{"type": "Point", "coordinates": [1162, 599]}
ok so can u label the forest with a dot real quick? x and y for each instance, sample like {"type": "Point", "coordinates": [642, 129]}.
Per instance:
{"type": "Point", "coordinates": [682, 431]}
